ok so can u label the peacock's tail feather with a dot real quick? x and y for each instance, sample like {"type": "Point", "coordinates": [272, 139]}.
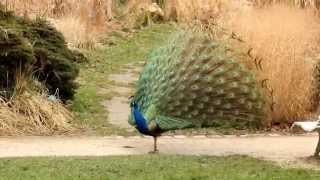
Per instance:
{"type": "Point", "coordinates": [193, 83]}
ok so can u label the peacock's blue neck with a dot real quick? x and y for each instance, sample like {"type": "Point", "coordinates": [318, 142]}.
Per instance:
{"type": "Point", "coordinates": [141, 122]}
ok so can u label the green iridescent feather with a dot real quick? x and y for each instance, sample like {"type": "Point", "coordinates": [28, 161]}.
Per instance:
{"type": "Point", "coordinates": [192, 82]}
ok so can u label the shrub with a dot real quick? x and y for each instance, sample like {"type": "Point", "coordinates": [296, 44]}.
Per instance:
{"type": "Point", "coordinates": [35, 47]}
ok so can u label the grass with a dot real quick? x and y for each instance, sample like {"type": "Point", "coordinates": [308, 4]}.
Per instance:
{"type": "Point", "coordinates": [166, 167]}
{"type": "Point", "coordinates": [94, 83]}
{"type": "Point", "coordinates": [32, 113]}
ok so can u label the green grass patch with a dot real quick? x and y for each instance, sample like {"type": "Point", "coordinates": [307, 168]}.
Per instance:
{"type": "Point", "coordinates": [93, 78]}
{"type": "Point", "coordinates": [160, 167]}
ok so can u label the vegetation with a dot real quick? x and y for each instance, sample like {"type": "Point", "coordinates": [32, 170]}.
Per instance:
{"type": "Point", "coordinates": [80, 21]}
{"type": "Point", "coordinates": [286, 61]}
{"type": "Point", "coordinates": [35, 62]}
{"type": "Point", "coordinates": [286, 52]}
{"type": "Point", "coordinates": [88, 102]}
{"type": "Point", "coordinates": [150, 167]}
{"type": "Point", "coordinates": [35, 47]}
{"type": "Point", "coordinates": [31, 113]}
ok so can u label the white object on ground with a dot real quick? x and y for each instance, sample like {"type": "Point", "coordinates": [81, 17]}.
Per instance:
{"type": "Point", "coordinates": [308, 126]}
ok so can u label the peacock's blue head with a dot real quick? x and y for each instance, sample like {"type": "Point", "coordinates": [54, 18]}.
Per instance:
{"type": "Point", "coordinates": [133, 106]}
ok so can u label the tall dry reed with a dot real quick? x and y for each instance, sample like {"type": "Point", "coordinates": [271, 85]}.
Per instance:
{"type": "Point", "coordinates": [287, 40]}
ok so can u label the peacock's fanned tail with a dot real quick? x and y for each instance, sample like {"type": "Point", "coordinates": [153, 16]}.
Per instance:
{"type": "Point", "coordinates": [192, 82]}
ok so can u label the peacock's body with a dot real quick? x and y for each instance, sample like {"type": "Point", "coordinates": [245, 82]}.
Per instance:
{"type": "Point", "coordinates": [193, 82]}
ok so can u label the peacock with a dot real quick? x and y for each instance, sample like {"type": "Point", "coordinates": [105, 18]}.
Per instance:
{"type": "Point", "coordinates": [194, 82]}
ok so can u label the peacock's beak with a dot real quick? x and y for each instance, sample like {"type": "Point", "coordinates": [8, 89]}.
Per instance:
{"type": "Point", "coordinates": [130, 99]}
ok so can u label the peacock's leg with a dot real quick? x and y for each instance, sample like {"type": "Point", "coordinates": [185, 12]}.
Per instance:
{"type": "Point", "coordinates": [155, 149]}
{"type": "Point", "coordinates": [316, 154]}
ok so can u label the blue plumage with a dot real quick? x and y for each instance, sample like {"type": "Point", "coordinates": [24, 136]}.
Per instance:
{"type": "Point", "coordinates": [141, 122]}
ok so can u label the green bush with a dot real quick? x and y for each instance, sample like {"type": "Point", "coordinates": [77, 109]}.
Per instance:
{"type": "Point", "coordinates": [35, 47]}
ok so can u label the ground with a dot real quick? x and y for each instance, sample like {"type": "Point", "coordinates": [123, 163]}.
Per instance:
{"type": "Point", "coordinates": [285, 150]}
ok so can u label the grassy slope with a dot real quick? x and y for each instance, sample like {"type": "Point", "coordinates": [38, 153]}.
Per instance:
{"type": "Point", "coordinates": [93, 76]}
{"type": "Point", "coordinates": [160, 167]}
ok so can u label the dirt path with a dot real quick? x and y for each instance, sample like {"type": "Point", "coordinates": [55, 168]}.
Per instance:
{"type": "Point", "coordinates": [276, 148]}
{"type": "Point", "coordinates": [122, 88]}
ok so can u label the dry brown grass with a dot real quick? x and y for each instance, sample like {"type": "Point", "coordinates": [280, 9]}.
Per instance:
{"type": "Point", "coordinates": [81, 21]}
{"type": "Point", "coordinates": [287, 39]}
{"type": "Point", "coordinates": [42, 8]}
{"type": "Point", "coordinates": [297, 3]}
{"type": "Point", "coordinates": [30, 112]}
{"type": "Point", "coordinates": [33, 114]}
{"type": "Point", "coordinates": [184, 11]}
{"type": "Point", "coordinates": [139, 13]}
{"type": "Point", "coordinates": [189, 10]}
{"type": "Point", "coordinates": [83, 26]}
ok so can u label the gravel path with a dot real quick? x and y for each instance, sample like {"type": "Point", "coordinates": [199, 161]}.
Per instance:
{"type": "Point", "coordinates": [275, 148]}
